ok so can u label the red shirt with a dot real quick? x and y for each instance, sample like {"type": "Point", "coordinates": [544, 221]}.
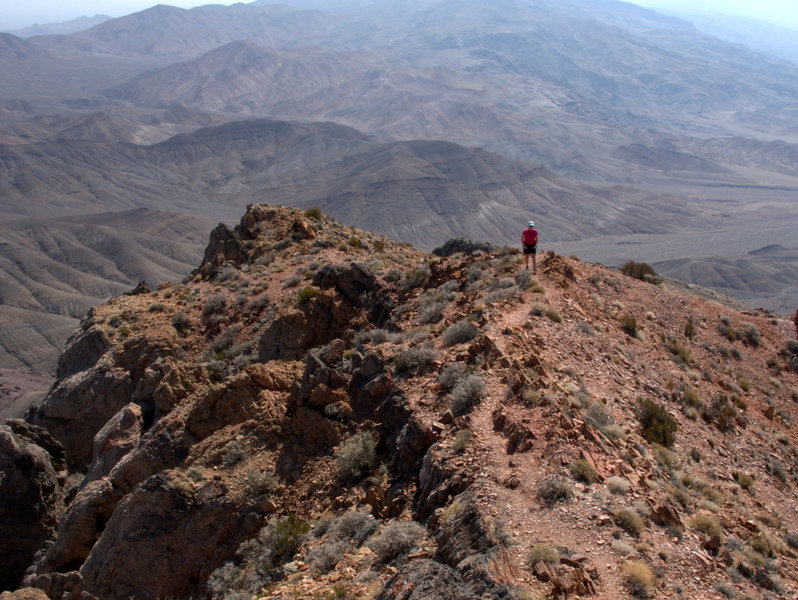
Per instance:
{"type": "Point", "coordinates": [530, 236]}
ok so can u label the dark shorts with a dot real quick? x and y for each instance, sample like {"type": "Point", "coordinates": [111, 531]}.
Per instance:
{"type": "Point", "coordinates": [533, 249]}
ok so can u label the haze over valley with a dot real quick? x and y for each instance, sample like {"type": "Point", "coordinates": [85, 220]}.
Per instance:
{"type": "Point", "coordinates": [625, 134]}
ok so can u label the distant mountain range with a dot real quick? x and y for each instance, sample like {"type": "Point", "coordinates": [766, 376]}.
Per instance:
{"type": "Point", "coordinates": [420, 120]}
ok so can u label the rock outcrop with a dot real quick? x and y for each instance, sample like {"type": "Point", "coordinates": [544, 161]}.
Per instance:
{"type": "Point", "coordinates": [31, 495]}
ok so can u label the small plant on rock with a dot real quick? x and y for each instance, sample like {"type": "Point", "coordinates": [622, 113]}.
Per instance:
{"type": "Point", "coordinates": [305, 295]}
{"type": "Point", "coordinates": [467, 394]}
{"type": "Point", "coordinates": [639, 579]}
{"type": "Point", "coordinates": [543, 553]}
{"type": "Point", "coordinates": [554, 488]}
{"type": "Point", "coordinates": [583, 470]}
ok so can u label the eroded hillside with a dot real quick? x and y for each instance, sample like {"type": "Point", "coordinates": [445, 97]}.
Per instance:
{"type": "Point", "coordinates": [319, 412]}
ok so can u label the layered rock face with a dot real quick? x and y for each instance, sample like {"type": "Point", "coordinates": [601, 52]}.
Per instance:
{"type": "Point", "coordinates": [317, 408]}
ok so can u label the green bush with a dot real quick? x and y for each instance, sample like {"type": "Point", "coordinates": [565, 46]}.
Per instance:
{"type": "Point", "coordinates": [659, 427]}
{"type": "Point", "coordinates": [641, 271]}
{"type": "Point", "coordinates": [744, 480]}
{"type": "Point", "coordinates": [639, 579]}
{"type": "Point", "coordinates": [415, 278]}
{"type": "Point", "coordinates": [313, 213]}
{"type": "Point", "coordinates": [689, 330]}
{"type": "Point", "coordinates": [722, 412]}
{"type": "Point", "coordinates": [461, 440]}
{"type": "Point", "coordinates": [307, 294]}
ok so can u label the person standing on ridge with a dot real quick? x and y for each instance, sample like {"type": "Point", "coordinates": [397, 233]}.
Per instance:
{"type": "Point", "coordinates": [529, 243]}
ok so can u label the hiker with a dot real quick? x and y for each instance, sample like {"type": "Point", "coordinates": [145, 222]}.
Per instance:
{"type": "Point", "coordinates": [529, 243]}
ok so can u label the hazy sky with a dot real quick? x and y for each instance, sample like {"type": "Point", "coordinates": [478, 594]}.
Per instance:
{"type": "Point", "coordinates": [16, 14]}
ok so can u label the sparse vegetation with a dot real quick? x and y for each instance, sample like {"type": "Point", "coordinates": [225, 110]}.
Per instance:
{"type": "Point", "coordinates": [356, 455]}
{"type": "Point", "coordinates": [451, 374]}
{"type": "Point", "coordinates": [628, 520]}
{"type": "Point", "coordinates": [707, 524]}
{"type": "Point", "coordinates": [639, 578]}
{"type": "Point", "coordinates": [466, 394]}
{"type": "Point", "coordinates": [399, 538]}
{"type": "Point", "coordinates": [305, 295]}
{"type": "Point", "coordinates": [618, 485]}
{"type": "Point", "coordinates": [629, 325]}
{"type": "Point", "coordinates": [659, 427]}
{"type": "Point", "coordinates": [583, 470]}
{"type": "Point", "coordinates": [554, 488]}
{"type": "Point", "coordinates": [461, 440]}
{"type": "Point", "coordinates": [545, 553]}
{"type": "Point", "coordinates": [641, 271]}
{"type": "Point", "coordinates": [181, 322]}
{"type": "Point", "coordinates": [414, 359]}
{"type": "Point", "coordinates": [313, 213]}
{"type": "Point", "coordinates": [459, 332]}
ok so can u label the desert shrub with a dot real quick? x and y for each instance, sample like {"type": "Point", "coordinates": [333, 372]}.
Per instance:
{"type": "Point", "coordinates": [583, 470]}
{"type": "Point", "coordinates": [357, 455]}
{"type": "Point", "coordinates": [431, 313]}
{"type": "Point", "coordinates": [689, 330]}
{"type": "Point", "coordinates": [415, 278]}
{"type": "Point", "coordinates": [726, 330]}
{"type": "Point", "coordinates": [226, 338]}
{"type": "Point", "coordinates": [292, 281]}
{"type": "Point", "coordinates": [618, 485]}
{"type": "Point", "coordinates": [414, 359]}
{"type": "Point", "coordinates": [261, 482]}
{"type": "Point", "coordinates": [543, 553]}
{"type": "Point", "coordinates": [353, 526]}
{"type": "Point", "coordinates": [313, 213]}
{"type": "Point", "coordinates": [181, 322]}
{"type": "Point", "coordinates": [707, 524]}
{"type": "Point", "coordinates": [461, 440]}
{"type": "Point", "coordinates": [597, 415]}
{"type": "Point", "coordinates": [399, 538]}
{"type": "Point", "coordinates": [523, 280]}
{"type": "Point", "coordinates": [468, 392]}
{"type": "Point", "coordinates": [538, 309]}
{"type": "Point", "coordinates": [553, 315]}
{"type": "Point", "coordinates": [744, 480]}
{"type": "Point", "coordinates": [722, 412]}
{"type": "Point", "coordinates": [750, 335]}
{"type": "Point", "coordinates": [663, 455]}
{"type": "Point", "coordinates": [325, 557]}
{"type": "Point", "coordinates": [791, 539]}
{"type": "Point", "coordinates": [305, 295]}
{"type": "Point", "coordinates": [459, 332]}
{"type": "Point", "coordinates": [157, 307]}
{"type": "Point", "coordinates": [659, 427]}
{"type": "Point", "coordinates": [553, 488]}
{"type": "Point", "coordinates": [713, 494]}
{"type": "Point", "coordinates": [451, 374]}
{"type": "Point", "coordinates": [392, 275]}
{"type": "Point", "coordinates": [778, 469]}
{"type": "Point", "coordinates": [678, 351]}
{"type": "Point", "coordinates": [622, 547]}
{"type": "Point", "coordinates": [639, 578]}
{"type": "Point", "coordinates": [355, 242]}
{"type": "Point", "coordinates": [628, 520]}
{"type": "Point", "coordinates": [213, 305]}
{"type": "Point", "coordinates": [629, 325]}
{"type": "Point", "coordinates": [641, 271]}
{"type": "Point", "coordinates": [743, 382]}
{"type": "Point", "coordinates": [724, 589]}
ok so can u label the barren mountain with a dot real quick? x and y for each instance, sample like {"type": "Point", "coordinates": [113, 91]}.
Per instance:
{"type": "Point", "coordinates": [54, 270]}
{"type": "Point", "coordinates": [322, 412]}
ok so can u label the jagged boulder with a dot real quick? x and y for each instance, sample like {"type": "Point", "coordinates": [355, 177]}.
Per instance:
{"type": "Point", "coordinates": [30, 500]}
{"type": "Point", "coordinates": [117, 437]}
{"type": "Point", "coordinates": [80, 528]}
{"type": "Point", "coordinates": [81, 403]}
{"type": "Point", "coordinates": [162, 541]}
{"type": "Point", "coordinates": [425, 579]}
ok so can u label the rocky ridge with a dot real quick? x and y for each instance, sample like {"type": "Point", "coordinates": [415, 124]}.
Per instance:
{"type": "Point", "coordinates": [320, 412]}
